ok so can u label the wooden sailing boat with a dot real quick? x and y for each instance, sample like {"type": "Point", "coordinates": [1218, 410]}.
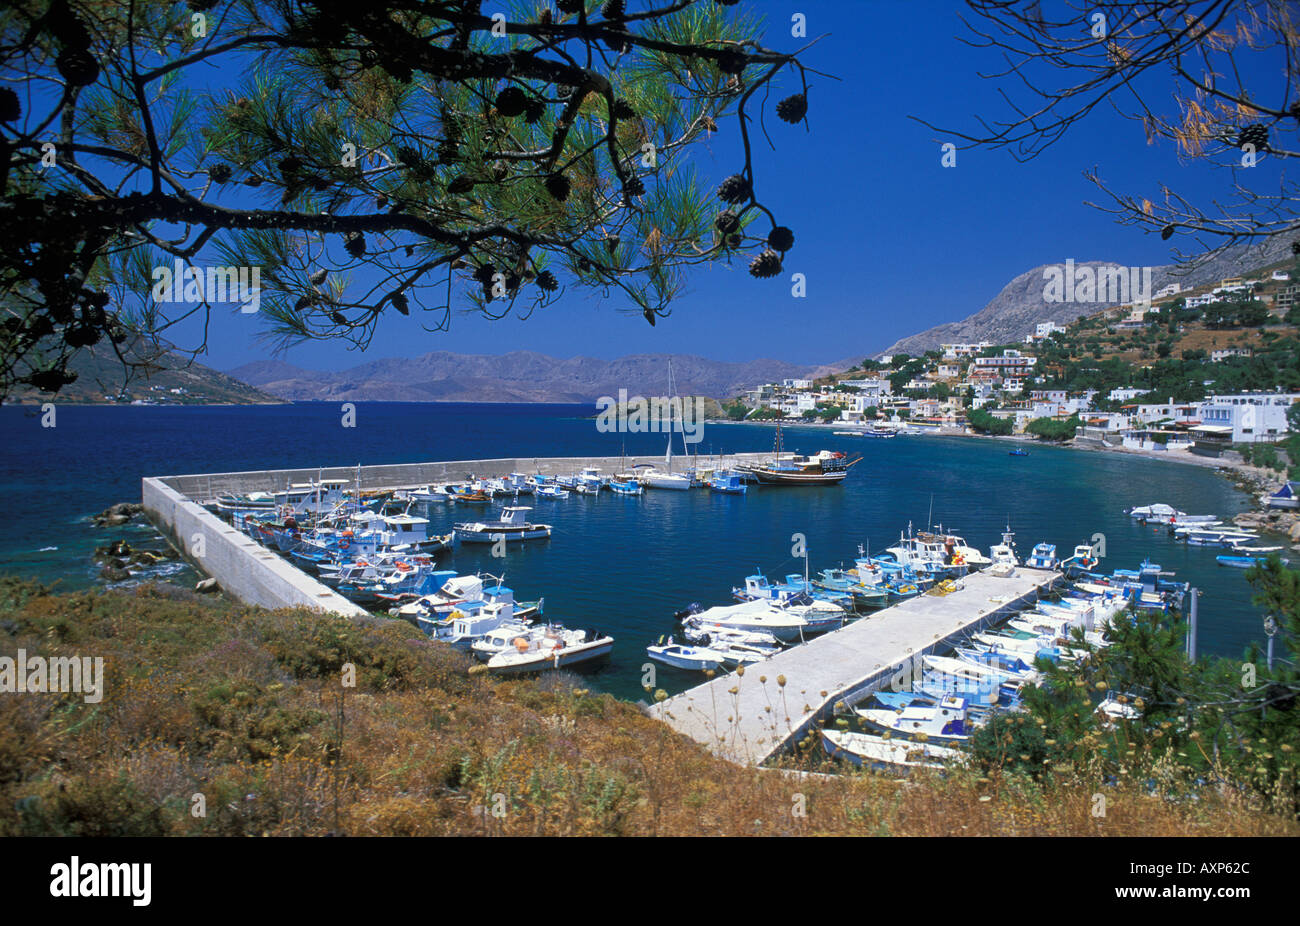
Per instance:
{"type": "Point", "coordinates": [826, 468]}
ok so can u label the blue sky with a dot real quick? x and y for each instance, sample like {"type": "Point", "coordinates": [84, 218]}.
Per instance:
{"type": "Point", "coordinates": [890, 241]}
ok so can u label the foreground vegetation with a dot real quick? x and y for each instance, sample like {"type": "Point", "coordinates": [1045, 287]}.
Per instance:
{"type": "Point", "coordinates": [244, 707]}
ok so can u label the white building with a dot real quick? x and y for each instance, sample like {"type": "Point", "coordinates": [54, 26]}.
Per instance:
{"type": "Point", "coordinates": [955, 351]}
{"type": "Point", "coordinates": [1173, 289]}
{"type": "Point", "coordinates": [1123, 395]}
{"type": "Point", "coordinates": [1253, 417]}
{"type": "Point", "coordinates": [1218, 356]}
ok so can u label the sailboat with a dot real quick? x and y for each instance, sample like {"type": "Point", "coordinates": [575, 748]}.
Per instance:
{"type": "Point", "coordinates": [654, 479]}
{"type": "Point", "coordinates": [826, 468]}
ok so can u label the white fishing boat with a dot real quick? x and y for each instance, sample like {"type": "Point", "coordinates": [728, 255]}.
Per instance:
{"type": "Point", "coordinates": [1158, 512]}
{"type": "Point", "coordinates": [967, 671]}
{"type": "Point", "coordinates": [686, 656]}
{"type": "Point", "coordinates": [761, 615]}
{"type": "Point", "coordinates": [869, 751]}
{"type": "Point", "coordinates": [511, 527]}
{"type": "Point", "coordinates": [945, 722]}
{"type": "Point", "coordinates": [556, 648]}
{"type": "Point", "coordinates": [702, 634]}
{"type": "Point", "coordinates": [503, 638]}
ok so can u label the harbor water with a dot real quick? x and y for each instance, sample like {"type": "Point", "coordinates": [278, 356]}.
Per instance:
{"type": "Point", "coordinates": [622, 564]}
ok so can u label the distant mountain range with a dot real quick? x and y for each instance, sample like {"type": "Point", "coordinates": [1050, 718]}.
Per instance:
{"type": "Point", "coordinates": [519, 376]}
{"type": "Point", "coordinates": [1020, 307]}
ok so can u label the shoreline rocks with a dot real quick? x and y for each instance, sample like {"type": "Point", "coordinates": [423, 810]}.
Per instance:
{"type": "Point", "coordinates": [117, 515]}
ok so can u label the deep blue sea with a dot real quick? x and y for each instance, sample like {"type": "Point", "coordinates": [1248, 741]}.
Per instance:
{"type": "Point", "coordinates": [621, 564]}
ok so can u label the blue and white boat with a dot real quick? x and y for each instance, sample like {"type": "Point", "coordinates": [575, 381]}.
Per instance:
{"type": "Point", "coordinates": [728, 483]}
{"type": "Point", "coordinates": [1043, 557]}
{"type": "Point", "coordinates": [625, 487]}
{"type": "Point", "coordinates": [510, 527]}
{"type": "Point", "coordinates": [946, 722]}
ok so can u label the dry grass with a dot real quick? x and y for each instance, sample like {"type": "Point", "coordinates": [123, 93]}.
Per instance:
{"type": "Point", "coordinates": [242, 706]}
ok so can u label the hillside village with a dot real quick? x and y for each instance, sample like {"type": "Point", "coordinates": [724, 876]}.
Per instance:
{"type": "Point", "coordinates": [1208, 369]}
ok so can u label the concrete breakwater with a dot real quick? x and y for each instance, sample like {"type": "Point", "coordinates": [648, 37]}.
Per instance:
{"type": "Point", "coordinates": [249, 572]}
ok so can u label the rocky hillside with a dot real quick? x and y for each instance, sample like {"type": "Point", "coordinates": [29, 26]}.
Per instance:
{"type": "Point", "coordinates": [519, 376]}
{"type": "Point", "coordinates": [1014, 312]}
{"type": "Point", "coordinates": [102, 378]}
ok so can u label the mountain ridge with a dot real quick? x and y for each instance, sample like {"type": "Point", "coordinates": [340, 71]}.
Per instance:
{"type": "Point", "coordinates": [1019, 306]}
{"type": "Point", "coordinates": [517, 376]}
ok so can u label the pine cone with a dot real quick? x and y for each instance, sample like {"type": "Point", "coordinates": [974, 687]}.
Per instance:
{"type": "Point", "coordinates": [511, 101]}
{"type": "Point", "coordinates": [611, 243]}
{"type": "Point", "coordinates": [1166, 232]}
{"type": "Point", "coordinates": [1295, 247]}
{"type": "Point", "coordinates": [77, 66]}
{"type": "Point", "coordinates": [354, 242]}
{"type": "Point", "coordinates": [633, 187]}
{"type": "Point", "coordinates": [558, 186]}
{"type": "Point", "coordinates": [732, 61]}
{"type": "Point", "coordinates": [400, 303]}
{"type": "Point", "coordinates": [568, 6]}
{"type": "Point", "coordinates": [533, 111]}
{"type": "Point", "coordinates": [735, 189]}
{"type": "Point", "coordinates": [67, 28]}
{"type": "Point", "coordinates": [734, 241]}
{"type": "Point", "coordinates": [219, 173]}
{"type": "Point", "coordinates": [1256, 135]}
{"type": "Point", "coordinates": [290, 165]}
{"type": "Point", "coordinates": [81, 336]}
{"type": "Point", "coordinates": [50, 380]}
{"type": "Point", "coordinates": [546, 281]}
{"type": "Point", "coordinates": [484, 273]}
{"type": "Point", "coordinates": [461, 183]}
{"type": "Point", "coordinates": [338, 318]}
{"type": "Point", "coordinates": [623, 110]}
{"type": "Point", "coordinates": [780, 238]}
{"type": "Point", "coordinates": [649, 314]}
{"type": "Point", "coordinates": [727, 222]}
{"type": "Point", "coordinates": [613, 9]}
{"type": "Point", "coordinates": [793, 108]}
{"type": "Point", "coordinates": [767, 264]}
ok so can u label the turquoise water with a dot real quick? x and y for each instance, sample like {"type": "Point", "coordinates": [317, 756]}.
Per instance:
{"type": "Point", "coordinates": [624, 564]}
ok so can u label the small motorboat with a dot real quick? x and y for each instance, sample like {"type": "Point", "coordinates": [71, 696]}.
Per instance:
{"type": "Point", "coordinates": [862, 749]}
{"type": "Point", "coordinates": [556, 648]}
{"type": "Point", "coordinates": [943, 723]}
{"type": "Point", "coordinates": [686, 656]}
{"type": "Point", "coordinates": [511, 527]}
{"type": "Point", "coordinates": [1244, 562]}
{"type": "Point", "coordinates": [1043, 557]}
{"type": "Point", "coordinates": [1018, 452]}
{"type": "Point", "coordinates": [728, 483]}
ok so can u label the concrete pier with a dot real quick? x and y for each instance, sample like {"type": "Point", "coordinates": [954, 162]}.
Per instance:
{"type": "Point", "coordinates": [748, 719]}
{"type": "Point", "coordinates": [249, 572]}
